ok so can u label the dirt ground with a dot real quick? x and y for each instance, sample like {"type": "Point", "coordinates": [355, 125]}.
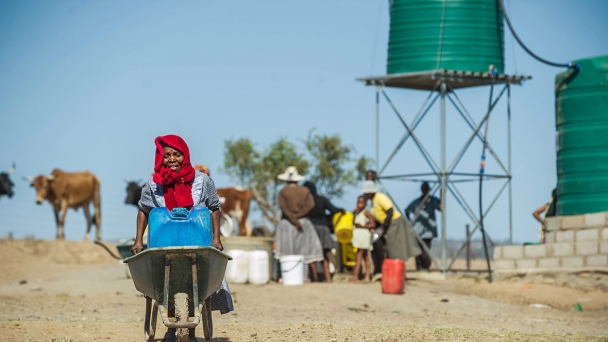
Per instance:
{"type": "Point", "coordinates": [73, 291]}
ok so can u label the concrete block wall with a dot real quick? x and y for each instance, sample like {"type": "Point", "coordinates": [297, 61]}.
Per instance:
{"type": "Point", "coordinates": [575, 222]}
{"type": "Point", "coordinates": [575, 241]}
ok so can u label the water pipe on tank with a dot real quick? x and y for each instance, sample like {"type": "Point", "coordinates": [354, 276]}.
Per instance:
{"type": "Point", "coordinates": [482, 168]}
{"type": "Point", "coordinates": [569, 65]}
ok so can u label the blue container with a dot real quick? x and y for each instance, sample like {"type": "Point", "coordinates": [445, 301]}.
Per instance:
{"type": "Point", "coordinates": [180, 227]}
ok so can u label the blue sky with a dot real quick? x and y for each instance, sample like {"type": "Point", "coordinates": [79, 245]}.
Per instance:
{"type": "Point", "coordinates": [88, 85]}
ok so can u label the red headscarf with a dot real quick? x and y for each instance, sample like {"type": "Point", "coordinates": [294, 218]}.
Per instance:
{"type": "Point", "coordinates": [177, 187]}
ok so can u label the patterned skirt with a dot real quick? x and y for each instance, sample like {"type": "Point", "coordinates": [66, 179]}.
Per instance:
{"type": "Point", "coordinates": [293, 241]}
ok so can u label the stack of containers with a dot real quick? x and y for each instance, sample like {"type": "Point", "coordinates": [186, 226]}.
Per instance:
{"type": "Point", "coordinates": [248, 266]}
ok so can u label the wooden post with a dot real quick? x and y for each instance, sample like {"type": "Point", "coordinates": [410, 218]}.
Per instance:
{"type": "Point", "coordinates": [468, 249]}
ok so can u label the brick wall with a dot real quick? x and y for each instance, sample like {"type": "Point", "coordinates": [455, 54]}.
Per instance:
{"type": "Point", "coordinates": [576, 241]}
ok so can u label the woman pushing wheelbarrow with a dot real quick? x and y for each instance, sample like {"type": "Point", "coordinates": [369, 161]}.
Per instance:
{"type": "Point", "coordinates": [181, 273]}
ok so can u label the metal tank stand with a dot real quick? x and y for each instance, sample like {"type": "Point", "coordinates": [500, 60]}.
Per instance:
{"type": "Point", "coordinates": [442, 85]}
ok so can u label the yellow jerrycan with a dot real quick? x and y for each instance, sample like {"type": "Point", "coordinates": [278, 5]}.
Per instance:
{"type": "Point", "coordinates": [343, 228]}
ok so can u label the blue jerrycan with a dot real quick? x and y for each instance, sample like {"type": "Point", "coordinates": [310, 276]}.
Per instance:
{"type": "Point", "coordinates": [180, 227]}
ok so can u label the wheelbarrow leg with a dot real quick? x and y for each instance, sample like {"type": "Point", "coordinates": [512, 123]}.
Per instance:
{"type": "Point", "coordinates": [207, 320]}
{"type": "Point", "coordinates": [150, 310]}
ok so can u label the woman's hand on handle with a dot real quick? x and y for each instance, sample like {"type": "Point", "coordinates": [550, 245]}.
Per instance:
{"type": "Point", "coordinates": [217, 243]}
{"type": "Point", "coordinates": [142, 222]}
{"type": "Point", "coordinates": [137, 247]}
{"type": "Point", "coordinates": [215, 221]}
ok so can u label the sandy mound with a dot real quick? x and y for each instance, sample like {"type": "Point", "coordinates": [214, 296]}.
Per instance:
{"type": "Point", "coordinates": [54, 252]}
{"type": "Point", "coordinates": [43, 259]}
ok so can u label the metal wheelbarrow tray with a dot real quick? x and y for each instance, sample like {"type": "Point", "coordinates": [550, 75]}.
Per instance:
{"type": "Point", "coordinates": [160, 273]}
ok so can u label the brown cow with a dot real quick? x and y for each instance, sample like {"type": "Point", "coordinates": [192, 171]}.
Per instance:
{"type": "Point", "coordinates": [69, 190]}
{"type": "Point", "coordinates": [235, 202]}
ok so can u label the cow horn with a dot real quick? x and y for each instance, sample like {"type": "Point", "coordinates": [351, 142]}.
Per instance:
{"type": "Point", "coordinates": [50, 177]}
{"type": "Point", "coordinates": [10, 172]}
{"type": "Point", "coordinates": [126, 181]}
{"type": "Point", "coordinates": [29, 179]}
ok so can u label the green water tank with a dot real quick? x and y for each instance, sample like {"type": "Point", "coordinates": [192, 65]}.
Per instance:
{"type": "Point", "coordinates": [581, 108]}
{"type": "Point", "coordinates": [464, 35]}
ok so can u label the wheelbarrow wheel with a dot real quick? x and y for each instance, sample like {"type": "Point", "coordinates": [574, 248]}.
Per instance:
{"type": "Point", "coordinates": [181, 316]}
{"type": "Point", "coordinates": [207, 320]}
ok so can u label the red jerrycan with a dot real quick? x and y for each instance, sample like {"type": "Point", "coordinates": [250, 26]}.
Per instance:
{"type": "Point", "coordinates": [393, 276]}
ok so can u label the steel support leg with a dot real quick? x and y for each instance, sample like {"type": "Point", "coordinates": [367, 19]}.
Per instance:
{"type": "Point", "coordinates": [443, 179]}
{"type": "Point", "coordinates": [378, 127]}
{"type": "Point", "coordinates": [509, 163]}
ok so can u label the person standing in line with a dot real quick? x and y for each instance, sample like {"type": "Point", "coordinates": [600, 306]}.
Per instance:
{"type": "Point", "coordinates": [371, 175]}
{"type": "Point", "coordinates": [362, 235]}
{"type": "Point", "coordinates": [550, 209]}
{"type": "Point", "coordinates": [202, 168]}
{"type": "Point", "coordinates": [295, 234]}
{"type": "Point", "coordinates": [422, 211]}
{"type": "Point", "coordinates": [318, 218]}
{"type": "Point", "coordinates": [394, 229]}
{"type": "Point", "coordinates": [377, 251]}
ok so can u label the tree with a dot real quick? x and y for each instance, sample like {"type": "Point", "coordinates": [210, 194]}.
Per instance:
{"type": "Point", "coordinates": [332, 165]}
{"type": "Point", "coordinates": [258, 171]}
{"type": "Point", "coordinates": [332, 168]}
{"type": "Point", "coordinates": [240, 159]}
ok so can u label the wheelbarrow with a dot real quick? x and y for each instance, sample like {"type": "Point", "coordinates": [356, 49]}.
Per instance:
{"type": "Point", "coordinates": [183, 276]}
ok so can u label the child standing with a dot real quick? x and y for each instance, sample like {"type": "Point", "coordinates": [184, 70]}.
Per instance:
{"type": "Point", "coordinates": [362, 235]}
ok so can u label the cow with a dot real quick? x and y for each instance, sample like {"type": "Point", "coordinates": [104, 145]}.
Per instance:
{"type": "Point", "coordinates": [133, 192]}
{"type": "Point", "coordinates": [6, 185]}
{"type": "Point", "coordinates": [66, 190]}
{"type": "Point", "coordinates": [235, 202]}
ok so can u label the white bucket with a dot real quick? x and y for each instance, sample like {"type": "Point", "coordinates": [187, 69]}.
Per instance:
{"type": "Point", "coordinates": [237, 268]}
{"type": "Point", "coordinates": [258, 267]}
{"type": "Point", "coordinates": [320, 270]}
{"type": "Point", "coordinates": [292, 269]}
{"type": "Point", "coordinates": [226, 225]}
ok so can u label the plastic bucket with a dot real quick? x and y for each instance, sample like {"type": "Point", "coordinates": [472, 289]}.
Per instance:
{"type": "Point", "coordinates": [237, 269]}
{"type": "Point", "coordinates": [258, 267]}
{"type": "Point", "coordinates": [393, 276]}
{"type": "Point", "coordinates": [292, 269]}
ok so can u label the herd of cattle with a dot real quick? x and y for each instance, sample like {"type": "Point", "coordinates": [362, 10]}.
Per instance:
{"type": "Point", "coordinates": [76, 190]}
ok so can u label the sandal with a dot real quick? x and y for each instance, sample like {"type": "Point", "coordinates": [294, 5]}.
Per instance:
{"type": "Point", "coordinates": [169, 336]}
{"type": "Point", "coordinates": [191, 335]}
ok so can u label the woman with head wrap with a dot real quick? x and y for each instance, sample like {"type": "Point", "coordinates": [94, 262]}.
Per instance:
{"type": "Point", "coordinates": [318, 217]}
{"type": "Point", "coordinates": [175, 184]}
{"type": "Point", "coordinates": [295, 234]}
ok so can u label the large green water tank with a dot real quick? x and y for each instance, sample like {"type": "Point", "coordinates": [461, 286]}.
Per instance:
{"type": "Point", "coordinates": [581, 107]}
{"type": "Point", "coordinates": [462, 35]}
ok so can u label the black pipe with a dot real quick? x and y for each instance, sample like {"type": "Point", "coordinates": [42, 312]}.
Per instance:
{"type": "Point", "coordinates": [538, 58]}
{"type": "Point", "coordinates": [481, 172]}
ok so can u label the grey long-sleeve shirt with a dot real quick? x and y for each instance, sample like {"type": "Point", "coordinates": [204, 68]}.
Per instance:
{"type": "Point", "coordinates": [204, 194]}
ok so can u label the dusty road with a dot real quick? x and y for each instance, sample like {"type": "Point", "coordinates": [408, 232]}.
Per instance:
{"type": "Point", "coordinates": [92, 300]}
